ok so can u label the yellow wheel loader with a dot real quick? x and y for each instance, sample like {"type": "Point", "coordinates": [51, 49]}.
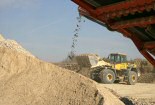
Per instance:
{"type": "Point", "coordinates": [117, 69]}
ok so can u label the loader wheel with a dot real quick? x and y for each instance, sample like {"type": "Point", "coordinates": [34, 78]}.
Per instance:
{"type": "Point", "coordinates": [116, 81]}
{"type": "Point", "coordinates": [107, 76]}
{"type": "Point", "coordinates": [132, 78]}
{"type": "Point", "coordinates": [95, 77]}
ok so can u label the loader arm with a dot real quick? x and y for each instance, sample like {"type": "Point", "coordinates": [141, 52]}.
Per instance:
{"type": "Point", "coordinates": [135, 19]}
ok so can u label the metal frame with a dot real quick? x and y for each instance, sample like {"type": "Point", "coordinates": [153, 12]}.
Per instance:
{"type": "Point", "coordinates": [107, 13]}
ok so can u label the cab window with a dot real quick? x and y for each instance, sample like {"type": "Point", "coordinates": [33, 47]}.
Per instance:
{"type": "Point", "coordinates": [112, 58]}
{"type": "Point", "coordinates": [123, 59]}
{"type": "Point", "coordinates": [118, 58]}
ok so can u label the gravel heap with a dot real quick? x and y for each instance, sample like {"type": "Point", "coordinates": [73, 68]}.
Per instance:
{"type": "Point", "coordinates": [25, 80]}
{"type": "Point", "coordinates": [12, 44]}
{"type": "Point", "coordinates": [147, 78]}
{"type": "Point", "coordinates": [1, 37]}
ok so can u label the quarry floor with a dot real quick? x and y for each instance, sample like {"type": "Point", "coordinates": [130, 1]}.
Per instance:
{"type": "Point", "coordinates": [139, 90]}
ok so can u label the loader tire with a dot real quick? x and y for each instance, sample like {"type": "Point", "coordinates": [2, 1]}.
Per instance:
{"type": "Point", "coordinates": [107, 76]}
{"type": "Point", "coordinates": [95, 77]}
{"type": "Point", "coordinates": [116, 81]}
{"type": "Point", "coordinates": [132, 78]}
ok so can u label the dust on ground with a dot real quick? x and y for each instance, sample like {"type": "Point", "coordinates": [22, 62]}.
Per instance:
{"type": "Point", "coordinates": [138, 94]}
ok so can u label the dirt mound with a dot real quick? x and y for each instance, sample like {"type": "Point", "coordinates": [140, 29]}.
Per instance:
{"type": "Point", "coordinates": [12, 44]}
{"type": "Point", "coordinates": [25, 80]}
{"type": "Point", "coordinates": [147, 78]}
{"type": "Point", "coordinates": [85, 71]}
{"type": "Point", "coordinates": [1, 37]}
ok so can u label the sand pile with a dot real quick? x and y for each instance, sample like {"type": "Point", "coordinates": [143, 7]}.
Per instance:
{"type": "Point", "coordinates": [1, 37]}
{"type": "Point", "coordinates": [11, 44]}
{"type": "Point", "coordinates": [25, 80]}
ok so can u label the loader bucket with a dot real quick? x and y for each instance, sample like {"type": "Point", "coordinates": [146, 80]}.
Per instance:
{"type": "Point", "coordinates": [87, 60]}
{"type": "Point", "coordinates": [83, 61]}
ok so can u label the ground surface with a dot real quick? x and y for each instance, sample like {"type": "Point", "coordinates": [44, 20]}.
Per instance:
{"type": "Point", "coordinates": [139, 94]}
{"type": "Point", "coordinates": [140, 90]}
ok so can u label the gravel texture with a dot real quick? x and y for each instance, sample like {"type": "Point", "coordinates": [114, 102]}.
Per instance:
{"type": "Point", "coordinates": [26, 80]}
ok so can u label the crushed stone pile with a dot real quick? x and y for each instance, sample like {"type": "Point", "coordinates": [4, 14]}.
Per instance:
{"type": "Point", "coordinates": [26, 80]}
{"type": "Point", "coordinates": [12, 44]}
{"type": "Point", "coordinates": [147, 78]}
{"type": "Point", "coordinates": [1, 37]}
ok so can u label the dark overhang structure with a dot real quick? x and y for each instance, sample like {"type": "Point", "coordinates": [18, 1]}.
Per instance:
{"type": "Point", "coordinates": [135, 19]}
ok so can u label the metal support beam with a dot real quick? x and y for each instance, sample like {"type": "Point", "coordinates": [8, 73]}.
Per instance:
{"type": "Point", "coordinates": [86, 6]}
{"type": "Point", "coordinates": [107, 13]}
{"type": "Point", "coordinates": [149, 45]}
{"type": "Point", "coordinates": [139, 44]}
{"type": "Point", "coordinates": [134, 22]}
{"type": "Point", "coordinates": [123, 6]}
{"type": "Point", "coordinates": [152, 51]}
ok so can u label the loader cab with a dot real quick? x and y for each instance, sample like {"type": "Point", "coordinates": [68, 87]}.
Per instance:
{"type": "Point", "coordinates": [117, 58]}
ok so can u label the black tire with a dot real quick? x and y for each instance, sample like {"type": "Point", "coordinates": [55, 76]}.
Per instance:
{"type": "Point", "coordinates": [94, 77]}
{"type": "Point", "coordinates": [132, 78]}
{"type": "Point", "coordinates": [107, 76]}
{"type": "Point", "coordinates": [116, 81]}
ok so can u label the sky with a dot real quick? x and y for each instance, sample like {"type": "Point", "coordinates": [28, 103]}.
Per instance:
{"type": "Point", "coordinates": [46, 28]}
